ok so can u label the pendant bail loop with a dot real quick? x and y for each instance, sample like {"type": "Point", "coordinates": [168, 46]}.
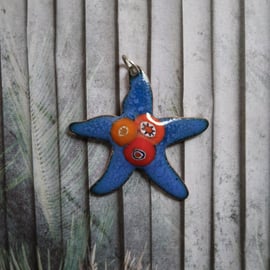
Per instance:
{"type": "Point", "coordinates": [133, 69]}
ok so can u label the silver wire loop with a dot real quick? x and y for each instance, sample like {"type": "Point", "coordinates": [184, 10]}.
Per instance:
{"type": "Point", "coordinates": [133, 69]}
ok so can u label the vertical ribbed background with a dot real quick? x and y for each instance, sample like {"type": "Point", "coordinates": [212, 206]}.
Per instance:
{"type": "Point", "coordinates": [61, 62]}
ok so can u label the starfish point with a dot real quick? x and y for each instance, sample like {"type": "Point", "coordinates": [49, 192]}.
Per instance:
{"type": "Point", "coordinates": [138, 139]}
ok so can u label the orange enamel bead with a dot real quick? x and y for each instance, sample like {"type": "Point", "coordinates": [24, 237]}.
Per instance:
{"type": "Point", "coordinates": [123, 131]}
{"type": "Point", "coordinates": [140, 152]}
{"type": "Point", "coordinates": [150, 127]}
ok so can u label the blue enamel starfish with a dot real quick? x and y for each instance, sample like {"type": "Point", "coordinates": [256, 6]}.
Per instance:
{"type": "Point", "coordinates": [138, 139]}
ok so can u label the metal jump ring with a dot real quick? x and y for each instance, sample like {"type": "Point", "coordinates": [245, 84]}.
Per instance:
{"type": "Point", "coordinates": [133, 69]}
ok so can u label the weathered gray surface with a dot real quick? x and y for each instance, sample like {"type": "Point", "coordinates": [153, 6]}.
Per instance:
{"type": "Point", "coordinates": [61, 62]}
{"type": "Point", "coordinates": [44, 124]}
{"type": "Point", "coordinates": [70, 85]}
{"type": "Point", "coordinates": [101, 78]}
{"type": "Point", "coordinates": [198, 102]}
{"type": "Point", "coordinates": [19, 189]}
{"type": "Point", "coordinates": [257, 109]}
{"type": "Point", "coordinates": [3, 238]}
{"type": "Point", "coordinates": [226, 148]}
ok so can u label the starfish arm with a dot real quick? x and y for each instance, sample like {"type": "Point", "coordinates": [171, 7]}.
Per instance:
{"type": "Point", "coordinates": [139, 99]}
{"type": "Point", "coordinates": [116, 174]}
{"type": "Point", "coordinates": [179, 129]}
{"type": "Point", "coordinates": [97, 128]}
{"type": "Point", "coordinates": [161, 173]}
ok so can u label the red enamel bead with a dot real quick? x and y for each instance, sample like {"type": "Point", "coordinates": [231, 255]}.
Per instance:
{"type": "Point", "coordinates": [140, 152]}
{"type": "Point", "coordinates": [150, 128]}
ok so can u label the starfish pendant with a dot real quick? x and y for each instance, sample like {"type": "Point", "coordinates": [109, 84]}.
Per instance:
{"type": "Point", "coordinates": [138, 139]}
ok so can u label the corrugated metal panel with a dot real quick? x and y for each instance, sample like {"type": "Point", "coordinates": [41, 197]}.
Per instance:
{"type": "Point", "coordinates": [61, 62]}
